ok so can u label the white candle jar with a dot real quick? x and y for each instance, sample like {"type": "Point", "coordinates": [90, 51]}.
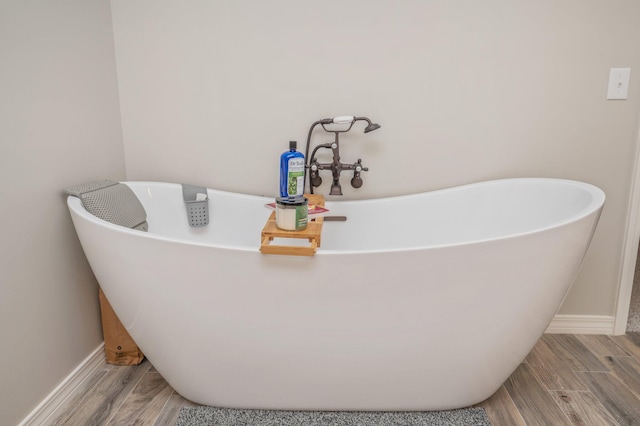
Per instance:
{"type": "Point", "coordinates": [292, 213]}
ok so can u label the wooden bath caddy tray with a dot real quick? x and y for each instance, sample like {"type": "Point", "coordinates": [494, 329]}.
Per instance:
{"type": "Point", "coordinates": [311, 233]}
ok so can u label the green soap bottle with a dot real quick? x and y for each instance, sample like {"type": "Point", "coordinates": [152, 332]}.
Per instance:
{"type": "Point", "coordinates": [292, 172]}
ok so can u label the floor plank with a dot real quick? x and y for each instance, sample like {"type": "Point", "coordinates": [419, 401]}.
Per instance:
{"type": "Point", "coordinates": [501, 411]}
{"type": "Point", "coordinates": [104, 400]}
{"type": "Point", "coordinates": [627, 370]}
{"type": "Point", "coordinates": [630, 342]}
{"type": "Point", "coordinates": [614, 396]}
{"type": "Point", "coordinates": [552, 369]}
{"type": "Point", "coordinates": [583, 409]}
{"type": "Point", "coordinates": [579, 357]}
{"type": "Point", "coordinates": [77, 401]}
{"type": "Point", "coordinates": [171, 410]}
{"type": "Point", "coordinates": [534, 403]}
{"type": "Point", "coordinates": [602, 345]}
{"type": "Point", "coordinates": [143, 406]}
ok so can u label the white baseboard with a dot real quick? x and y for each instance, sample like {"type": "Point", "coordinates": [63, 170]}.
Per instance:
{"type": "Point", "coordinates": [582, 324]}
{"type": "Point", "coordinates": [47, 410]}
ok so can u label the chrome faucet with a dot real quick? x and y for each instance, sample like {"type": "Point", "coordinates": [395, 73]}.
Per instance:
{"type": "Point", "coordinates": [313, 166]}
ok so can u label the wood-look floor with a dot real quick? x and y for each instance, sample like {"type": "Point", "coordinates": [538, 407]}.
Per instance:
{"type": "Point", "coordinates": [565, 380]}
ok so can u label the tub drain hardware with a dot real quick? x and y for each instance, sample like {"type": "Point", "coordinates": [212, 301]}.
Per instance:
{"type": "Point", "coordinates": [196, 201]}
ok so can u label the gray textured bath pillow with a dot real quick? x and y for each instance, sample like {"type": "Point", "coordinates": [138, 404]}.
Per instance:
{"type": "Point", "coordinates": [113, 202]}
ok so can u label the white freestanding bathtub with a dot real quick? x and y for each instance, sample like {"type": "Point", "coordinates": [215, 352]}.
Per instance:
{"type": "Point", "coordinates": [420, 302]}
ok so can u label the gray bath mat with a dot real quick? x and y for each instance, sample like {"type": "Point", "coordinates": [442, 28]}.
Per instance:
{"type": "Point", "coordinates": [212, 416]}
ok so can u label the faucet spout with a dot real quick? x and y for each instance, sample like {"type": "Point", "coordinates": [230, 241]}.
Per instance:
{"type": "Point", "coordinates": [336, 189]}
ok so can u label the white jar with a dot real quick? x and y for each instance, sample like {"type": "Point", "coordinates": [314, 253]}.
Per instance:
{"type": "Point", "coordinates": [291, 213]}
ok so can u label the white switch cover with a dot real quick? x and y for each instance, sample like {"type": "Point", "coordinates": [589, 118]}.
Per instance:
{"type": "Point", "coordinates": [618, 83]}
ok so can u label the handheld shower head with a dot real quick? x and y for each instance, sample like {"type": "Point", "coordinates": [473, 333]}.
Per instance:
{"type": "Point", "coordinates": [371, 127]}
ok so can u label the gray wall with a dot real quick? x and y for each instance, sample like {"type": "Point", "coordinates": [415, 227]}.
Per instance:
{"type": "Point", "coordinates": [465, 91]}
{"type": "Point", "coordinates": [60, 126]}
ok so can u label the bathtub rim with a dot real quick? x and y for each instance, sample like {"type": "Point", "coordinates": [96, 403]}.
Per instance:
{"type": "Point", "coordinates": [595, 205]}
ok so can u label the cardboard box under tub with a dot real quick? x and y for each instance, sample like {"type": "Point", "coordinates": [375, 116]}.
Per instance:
{"type": "Point", "coordinates": [119, 347]}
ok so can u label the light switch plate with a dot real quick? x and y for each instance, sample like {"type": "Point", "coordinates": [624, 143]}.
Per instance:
{"type": "Point", "coordinates": [618, 83]}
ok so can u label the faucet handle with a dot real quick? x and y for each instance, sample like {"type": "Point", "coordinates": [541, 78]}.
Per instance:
{"type": "Point", "coordinates": [356, 181]}
{"type": "Point", "coordinates": [358, 167]}
{"type": "Point", "coordinates": [314, 176]}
